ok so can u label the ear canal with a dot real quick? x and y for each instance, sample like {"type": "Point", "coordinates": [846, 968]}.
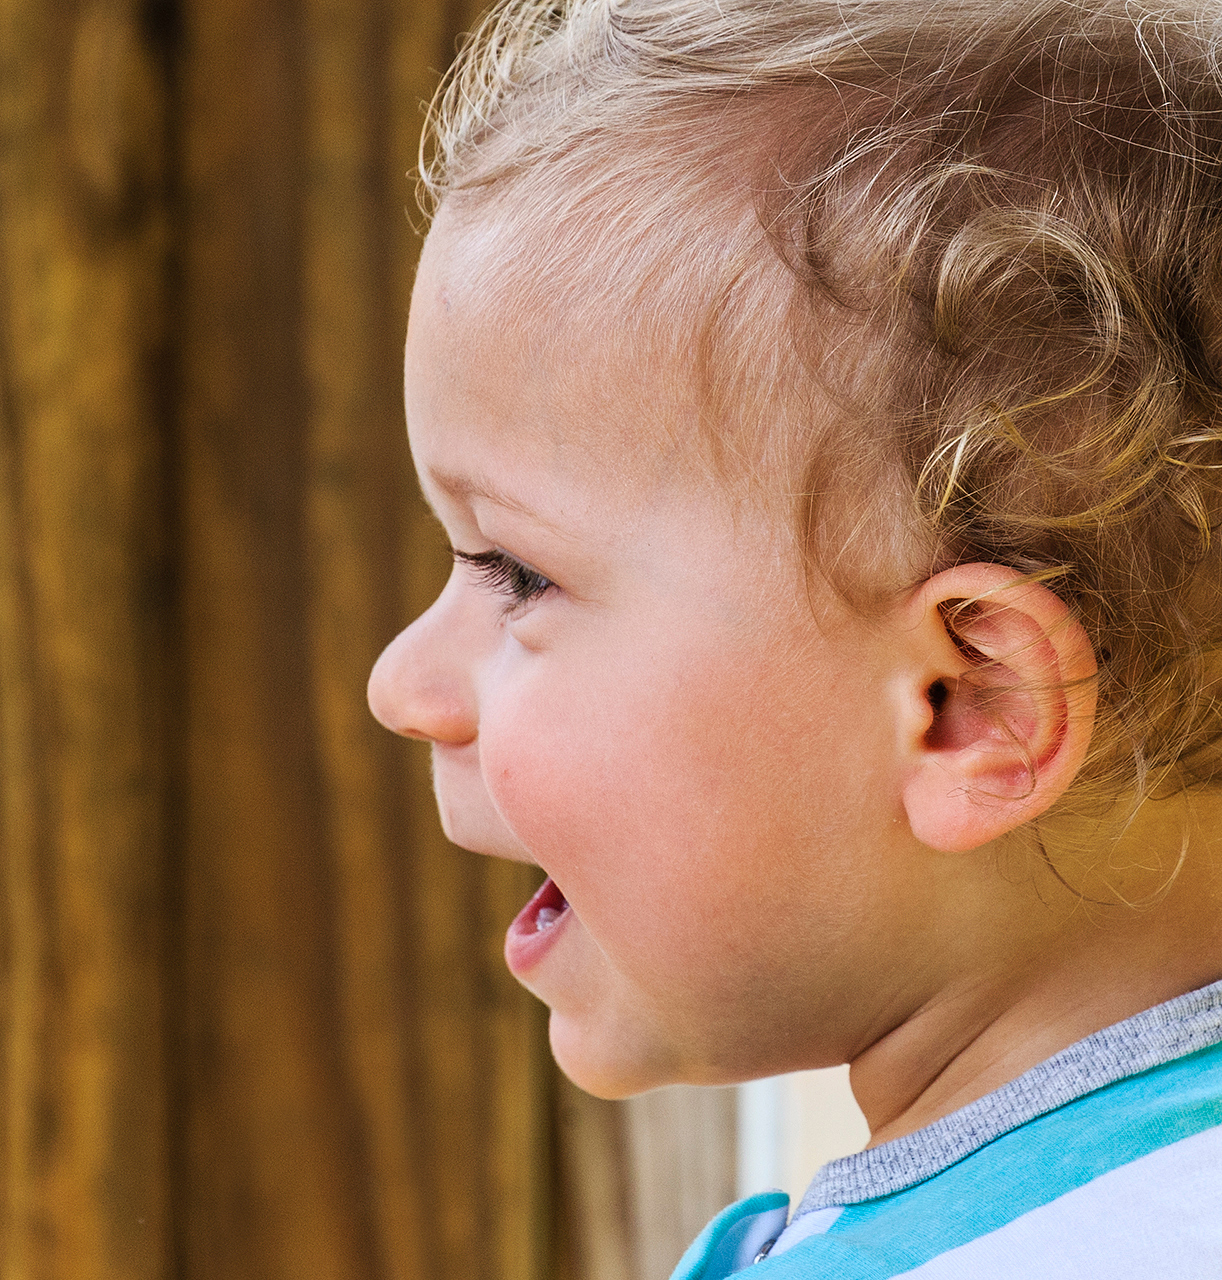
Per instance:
{"type": "Point", "coordinates": [937, 694]}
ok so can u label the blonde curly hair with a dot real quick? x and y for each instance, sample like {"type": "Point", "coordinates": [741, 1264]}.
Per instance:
{"type": "Point", "coordinates": [983, 270]}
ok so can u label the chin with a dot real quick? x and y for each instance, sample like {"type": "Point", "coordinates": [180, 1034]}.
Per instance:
{"type": "Point", "coordinates": [610, 1067]}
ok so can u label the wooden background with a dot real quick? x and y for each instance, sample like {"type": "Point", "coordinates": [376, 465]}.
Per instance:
{"type": "Point", "coordinates": [256, 1024]}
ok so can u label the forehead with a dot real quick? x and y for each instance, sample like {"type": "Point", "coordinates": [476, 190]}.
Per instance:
{"type": "Point", "coordinates": [507, 347]}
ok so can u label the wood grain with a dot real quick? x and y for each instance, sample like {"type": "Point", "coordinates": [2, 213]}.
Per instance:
{"type": "Point", "coordinates": [84, 627]}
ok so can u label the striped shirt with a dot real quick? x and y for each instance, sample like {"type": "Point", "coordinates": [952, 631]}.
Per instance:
{"type": "Point", "coordinates": [1106, 1160]}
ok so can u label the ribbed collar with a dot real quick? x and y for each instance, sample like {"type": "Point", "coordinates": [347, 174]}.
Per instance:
{"type": "Point", "coordinates": [1181, 1026]}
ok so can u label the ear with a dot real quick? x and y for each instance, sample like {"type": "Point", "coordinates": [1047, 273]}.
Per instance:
{"type": "Point", "coordinates": [1001, 692]}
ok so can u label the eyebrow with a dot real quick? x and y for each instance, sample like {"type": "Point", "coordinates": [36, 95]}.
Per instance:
{"type": "Point", "coordinates": [462, 487]}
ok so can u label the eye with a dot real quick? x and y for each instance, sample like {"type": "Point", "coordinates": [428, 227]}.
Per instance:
{"type": "Point", "coordinates": [506, 575]}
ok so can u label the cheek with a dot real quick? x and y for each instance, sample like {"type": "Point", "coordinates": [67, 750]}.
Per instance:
{"type": "Point", "coordinates": [658, 804]}
{"type": "Point", "coordinates": [575, 771]}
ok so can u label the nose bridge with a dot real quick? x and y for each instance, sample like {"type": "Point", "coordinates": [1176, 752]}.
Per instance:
{"type": "Point", "coordinates": [422, 685]}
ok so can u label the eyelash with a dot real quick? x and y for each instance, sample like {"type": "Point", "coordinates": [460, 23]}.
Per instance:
{"type": "Point", "coordinates": [507, 576]}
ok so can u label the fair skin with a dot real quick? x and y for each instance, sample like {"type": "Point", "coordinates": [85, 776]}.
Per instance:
{"type": "Point", "coordinates": [776, 830]}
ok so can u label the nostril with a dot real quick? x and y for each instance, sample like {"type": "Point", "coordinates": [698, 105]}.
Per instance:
{"type": "Point", "coordinates": [405, 731]}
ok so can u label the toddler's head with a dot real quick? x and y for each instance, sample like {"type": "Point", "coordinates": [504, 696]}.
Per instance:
{"type": "Point", "coordinates": [823, 404]}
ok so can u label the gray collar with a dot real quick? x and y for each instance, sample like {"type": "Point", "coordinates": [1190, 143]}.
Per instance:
{"type": "Point", "coordinates": [1168, 1031]}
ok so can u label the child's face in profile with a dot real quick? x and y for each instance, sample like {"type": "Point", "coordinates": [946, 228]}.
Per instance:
{"type": "Point", "coordinates": [629, 686]}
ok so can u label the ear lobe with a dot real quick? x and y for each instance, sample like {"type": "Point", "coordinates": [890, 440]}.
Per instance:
{"type": "Point", "coordinates": [1003, 699]}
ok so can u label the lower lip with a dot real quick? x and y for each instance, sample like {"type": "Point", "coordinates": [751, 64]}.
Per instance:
{"type": "Point", "coordinates": [531, 935]}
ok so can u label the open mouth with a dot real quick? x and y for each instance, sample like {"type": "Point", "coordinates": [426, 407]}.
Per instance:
{"type": "Point", "coordinates": [535, 927]}
{"type": "Point", "coordinates": [549, 905]}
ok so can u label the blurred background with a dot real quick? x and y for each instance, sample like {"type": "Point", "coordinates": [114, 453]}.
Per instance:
{"type": "Point", "coordinates": [254, 1021]}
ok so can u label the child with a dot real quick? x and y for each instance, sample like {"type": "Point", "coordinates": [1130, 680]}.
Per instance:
{"type": "Point", "coordinates": [823, 403]}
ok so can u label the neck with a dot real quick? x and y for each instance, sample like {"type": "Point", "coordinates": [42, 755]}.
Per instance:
{"type": "Point", "coordinates": [996, 1013]}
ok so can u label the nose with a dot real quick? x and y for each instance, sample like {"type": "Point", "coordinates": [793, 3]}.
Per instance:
{"type": "Point", "coordinates": [421, 686]}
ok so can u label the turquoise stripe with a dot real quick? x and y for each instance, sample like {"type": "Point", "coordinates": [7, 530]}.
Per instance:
{"type": "Point", "coordinates": [1018, 1172]}
{"type": "Point", "coordinates": [723, 1233]}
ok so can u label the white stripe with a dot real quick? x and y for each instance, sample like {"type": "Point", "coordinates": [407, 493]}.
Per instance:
{"type": "Point", "coordinates": [1157, 1218]}
{"type": "Point", "coordinates": [817, 1223]}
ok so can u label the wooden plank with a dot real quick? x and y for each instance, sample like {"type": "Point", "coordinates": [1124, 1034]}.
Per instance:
{"type": "Point", "coordinates": [681, 1154]}
{"type": "Point", "coordinates": [274, 1171]}
{"type": "Point", "coordinates": [356, 473]}
{"type": "Point", "coordinates": [84, 626]}
{"type": "Point", "coordinates": [598, 1213]}
{"type": "Point", "coordinates": [369, 1090]}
